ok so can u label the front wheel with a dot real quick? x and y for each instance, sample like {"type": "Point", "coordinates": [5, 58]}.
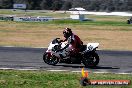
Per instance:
{"type": "Point", "coordinates": [91, 60]}
{"type": "Point", "coordinates": [50, 59]}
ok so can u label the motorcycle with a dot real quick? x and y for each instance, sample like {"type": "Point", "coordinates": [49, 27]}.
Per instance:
{"type": "Point", "coordinates": [87, 54]}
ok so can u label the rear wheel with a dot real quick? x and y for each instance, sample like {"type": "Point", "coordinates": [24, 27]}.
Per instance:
{"type": "Point", "coordinates": [50, 59]}
{"type": "Point", "coordinates": [91, 60]}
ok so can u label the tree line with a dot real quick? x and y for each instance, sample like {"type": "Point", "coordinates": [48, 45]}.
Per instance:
{"type": "Point", "coordinates": [91, 5]}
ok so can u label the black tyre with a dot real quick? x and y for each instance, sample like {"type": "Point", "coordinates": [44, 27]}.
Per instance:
{"type": "Point", "coordinates": [51, 60]}
{"type": "Point", "coordinates": [91, 60]}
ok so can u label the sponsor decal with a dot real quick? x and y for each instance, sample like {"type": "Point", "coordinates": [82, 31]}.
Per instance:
{"type": "Point", "coordinates": [19, 6]}
{"type": "Point", "coordinates": [33, 19]}
{"type": "Point", "coordinates": [86, 81]}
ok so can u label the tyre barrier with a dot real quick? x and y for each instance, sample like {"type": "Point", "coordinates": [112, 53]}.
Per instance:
{"type": "Point", "coordinates": [6, 18]}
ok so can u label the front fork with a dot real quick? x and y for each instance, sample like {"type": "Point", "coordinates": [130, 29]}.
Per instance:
{"type": "Point", "coordinates": [51, 54]}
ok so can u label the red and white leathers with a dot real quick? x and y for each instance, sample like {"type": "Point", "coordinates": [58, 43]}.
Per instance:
{"type": "Point", "coordinates": [74, 44]}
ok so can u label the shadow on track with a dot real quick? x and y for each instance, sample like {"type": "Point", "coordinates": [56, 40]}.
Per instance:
{"type": "Point", "coordinates": [73, 66]}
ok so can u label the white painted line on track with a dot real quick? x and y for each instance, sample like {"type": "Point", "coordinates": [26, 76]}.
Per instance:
{"type": "Point", "coordinates": [17, 69]}
{"type": "Point", "coordinates": [57, 70]}
{"type": "Point", "coordinates": [76, 71]}
{"type": "Point", "coordinates": [101, 72]}
{"type": "Point", "coordinates": [124, 73]}
{"type": "Point", "coordinates": [32, 69]}
{"type": "Point", "coordinates": [27, 69]}
{"type": "Point", "coordinates": [6, 68]}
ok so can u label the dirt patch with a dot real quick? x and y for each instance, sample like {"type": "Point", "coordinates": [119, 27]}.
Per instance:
{"type": "Point", "coordinates": [40, 35]}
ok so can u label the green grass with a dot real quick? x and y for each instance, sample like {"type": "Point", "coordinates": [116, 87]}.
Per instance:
{"type": "Point", "coordinates": [77, 22]}
{"type": "Point", "coordinates": [44, 79]}
{"type": "Point", "coordinates": [95, 23]}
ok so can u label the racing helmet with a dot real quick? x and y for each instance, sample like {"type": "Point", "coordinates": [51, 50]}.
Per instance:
{"type": "Point", "coordinates": [67, 32]}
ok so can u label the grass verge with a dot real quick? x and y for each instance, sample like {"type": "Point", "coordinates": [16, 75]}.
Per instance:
{"type": "Point", "coordinates": [44, 79]}
{"type": "Point", "coordinates": [111, 32]}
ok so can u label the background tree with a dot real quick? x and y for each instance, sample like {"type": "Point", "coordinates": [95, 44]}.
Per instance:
{"type": "Point", "coordinates": [6, 4]}
{"type": "Point", "coordinates": [129, 5]}
{"type": "Point", "coordinates": [57, 4]}
{"type": "Point", "coordinates": [67, 5]}
{"type": "Point", "coordinates": [1, 3]}
{"type": "Point", "coordinates": [46, 4]}
{"type": "Point", "coordinates": [92, 5]}
{"type": "Point", "coordinates": [110, 5]}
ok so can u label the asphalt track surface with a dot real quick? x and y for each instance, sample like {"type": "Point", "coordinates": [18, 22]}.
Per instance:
{"type": "Point", "coordinates": [32, 58]}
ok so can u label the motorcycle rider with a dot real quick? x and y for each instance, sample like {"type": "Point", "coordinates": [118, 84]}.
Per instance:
{"type": "Point", "coordinates": [73, 43]}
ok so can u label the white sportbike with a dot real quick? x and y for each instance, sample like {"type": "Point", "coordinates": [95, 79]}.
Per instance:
{"type": "Point", "coordinates": [87, 54]}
